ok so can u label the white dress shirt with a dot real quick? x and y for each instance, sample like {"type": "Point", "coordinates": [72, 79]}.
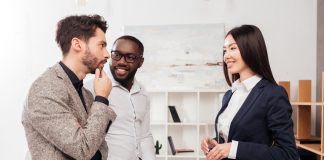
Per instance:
{"type": "Point", "coordinates": [240, 92]}
{"type": "Point", "coordinates": [129, 136]}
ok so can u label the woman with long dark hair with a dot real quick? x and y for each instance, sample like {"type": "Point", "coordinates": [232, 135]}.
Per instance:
{"type": "Point", "coordinates": [254, 121]}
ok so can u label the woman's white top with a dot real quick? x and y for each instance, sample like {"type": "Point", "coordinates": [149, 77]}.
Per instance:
{"type": "Point", "coordinates": [240, 92]}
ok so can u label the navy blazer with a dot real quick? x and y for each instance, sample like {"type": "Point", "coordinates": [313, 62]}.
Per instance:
{"type": "Point", "coordinates": [263, 125]}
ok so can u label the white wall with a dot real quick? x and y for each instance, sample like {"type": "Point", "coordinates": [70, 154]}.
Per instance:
{"type": "Point", "coordinates": [163, 12]}
{"type": "Point", "coordinates": [12, 70]}
{"type": "Point", "coordinates": [28, 47]}
{"type": "Point", "coordinates": [289, 26]}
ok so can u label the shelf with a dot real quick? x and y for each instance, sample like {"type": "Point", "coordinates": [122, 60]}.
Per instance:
{"type": "Point", "coordinates": [160, 156]}
{"type": "Point", "coordinates": [180, 124]}
{"type": "Point", "coordinates": [202, 156]}
{"type": "Point", "coordinates": [158, 123]}
{"type": "Point", "coordinates": [212, 90]}
{"type": "Point", "coordinates": [184, 155]}
{"type": "Point", "coordinates": [197, 111]}
{"type": "Point", "coordinates": [189, 124]}
{"type": "Point", "coordinates": [315, 148]}
{"type": "Point", "coordinates": [303, 108]}
{"type": "Point", "coordinates": [307, 103]}
{"type": "Point", "coordinates": [186, 90]}
{"type": "Point", "coordinates": [310, 139]}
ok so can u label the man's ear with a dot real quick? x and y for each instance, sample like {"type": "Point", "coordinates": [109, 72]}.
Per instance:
{"type": "Point", "coordinates": [141, 62]}
{"type": "Point", "coordinates": [76, 44]}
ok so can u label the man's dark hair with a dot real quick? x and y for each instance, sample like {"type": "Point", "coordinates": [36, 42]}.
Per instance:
{"type": "Point", "coordinates": [82, 27]}
{"type": "Point", "coordinates": [133, 39]}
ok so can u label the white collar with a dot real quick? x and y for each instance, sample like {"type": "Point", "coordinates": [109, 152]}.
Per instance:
{"type": "Point", "coordinates": [247, 84]}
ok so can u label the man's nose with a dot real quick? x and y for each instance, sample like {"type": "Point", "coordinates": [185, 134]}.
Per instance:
{"type": "Point", "coordinates": [106, 54]}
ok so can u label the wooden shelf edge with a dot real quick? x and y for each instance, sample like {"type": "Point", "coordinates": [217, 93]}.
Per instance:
{"type": "Point", "coordinates": [308, 103]}
{"type": "Point", "coordinates": [314, 148]}
{"type": "Point", "coordinates": [311, 138]}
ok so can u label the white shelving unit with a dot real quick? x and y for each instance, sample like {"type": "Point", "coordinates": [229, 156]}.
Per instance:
{"type": "Point", "coordinates": [197, 110]}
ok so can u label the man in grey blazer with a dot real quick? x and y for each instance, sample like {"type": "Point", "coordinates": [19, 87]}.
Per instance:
{"type": "Point", "coordinates": [62, 120]}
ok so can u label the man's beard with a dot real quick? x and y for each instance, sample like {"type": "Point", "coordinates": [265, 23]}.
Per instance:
{"type": "Point", "coordinates": [90, 61]}
{"type": "Point", "coordinates": [128, 78]}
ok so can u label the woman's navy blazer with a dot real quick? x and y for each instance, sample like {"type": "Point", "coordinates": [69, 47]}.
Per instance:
{"type": "Point", "coordinates": [263, 125]}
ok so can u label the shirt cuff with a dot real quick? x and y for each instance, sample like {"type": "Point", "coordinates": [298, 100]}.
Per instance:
{"type": "Point", "coordinates": [102, 100]}
{"type": "Point", "coordinates": [233, 150]}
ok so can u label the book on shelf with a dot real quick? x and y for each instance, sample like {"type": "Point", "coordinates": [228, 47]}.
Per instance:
{"type": "Point", "coordinates": [174, 114]}
{"type": "Point", "coordinates": [171, 145]}
{"type": "Point", "coordinates": [182, 150]}
{"type": "Point", "coordinates": [174, 150]}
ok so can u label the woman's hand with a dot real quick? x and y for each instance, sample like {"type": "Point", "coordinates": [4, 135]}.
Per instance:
{"type": "Point", "coordinates": [207, 144]}
{"type": "Point", "coordinates": [220, 151]}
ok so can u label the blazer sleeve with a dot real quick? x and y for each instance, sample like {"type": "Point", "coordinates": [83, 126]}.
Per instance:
{"type": "Point", "coordinates": [50, 113]}
{"type": "Point", "coordinates": [280, 126]}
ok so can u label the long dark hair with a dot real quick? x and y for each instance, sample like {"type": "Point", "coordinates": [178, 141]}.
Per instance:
{"type": "Point", "coordinates": [253, 50]}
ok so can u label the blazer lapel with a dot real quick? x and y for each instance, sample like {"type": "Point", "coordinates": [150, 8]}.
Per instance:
{"type": "Point", "coordinates": [88, 99]}
{"type": "Point", "coordinates": [225, 101]}
{"type": "Point", "coordinates": [78, 106]}
{"type": "Point", "coordinates": [246, 106]}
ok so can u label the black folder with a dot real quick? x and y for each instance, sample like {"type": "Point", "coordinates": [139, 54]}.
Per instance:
{"type": "Point", "coordinates": [171, 145]}
{"type": "Point", "coordinates": [174, 114]}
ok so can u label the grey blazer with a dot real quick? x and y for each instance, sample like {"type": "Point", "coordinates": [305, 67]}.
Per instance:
{"type": "Point", "coordinates": [56, 123]}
